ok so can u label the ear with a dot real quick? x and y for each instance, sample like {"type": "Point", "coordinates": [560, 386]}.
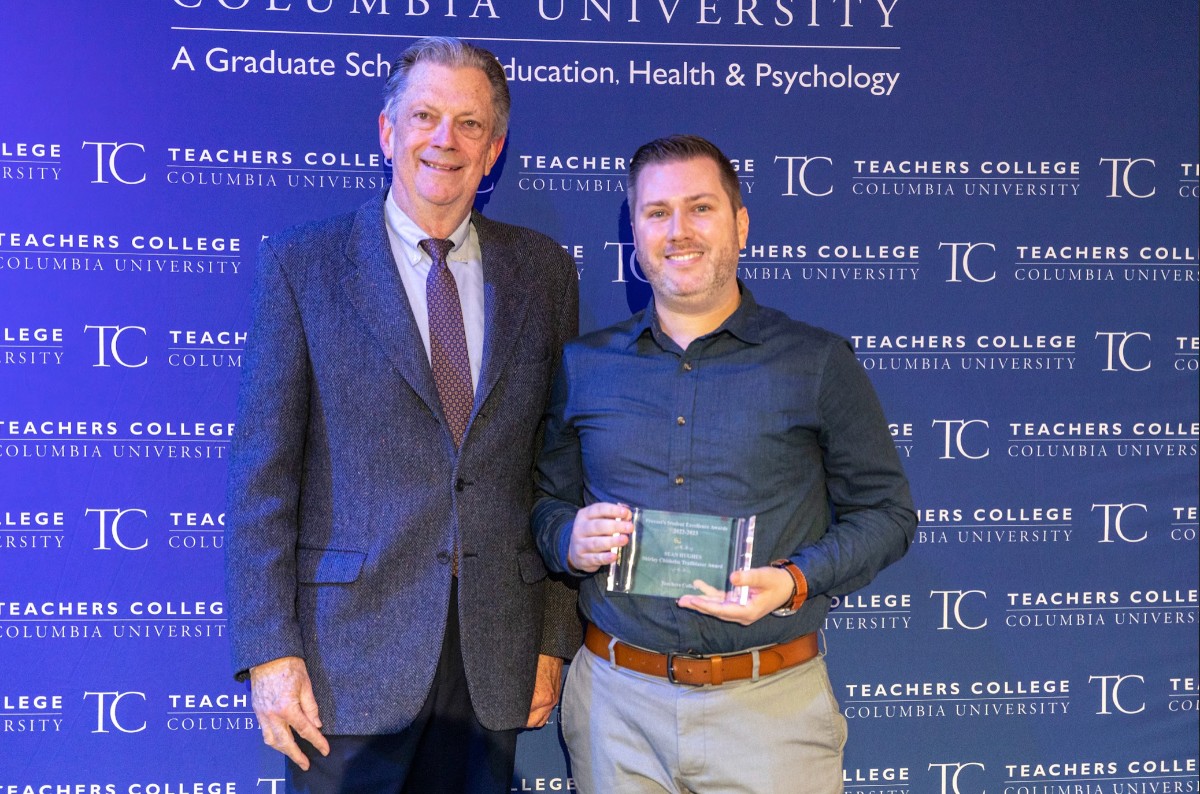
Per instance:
{"type": "Point", "coordinates": [743, 226]}
{"type": "Point", "coordinates": [386, 131]}
{"type": "Point", "coordinates": [494, 148]}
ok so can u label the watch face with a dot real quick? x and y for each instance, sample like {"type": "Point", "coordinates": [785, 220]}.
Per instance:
{"type": "Point", "coordinates": [783, 612]}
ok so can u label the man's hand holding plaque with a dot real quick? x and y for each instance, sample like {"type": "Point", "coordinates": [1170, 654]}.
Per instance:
{"type": "Point", "coordinates": [770, 588]}
{"type": "Point", "coordinates": [599, 530]}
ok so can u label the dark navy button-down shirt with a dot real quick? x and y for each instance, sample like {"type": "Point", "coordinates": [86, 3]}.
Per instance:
{"type": "Point", "coordinates": [765, 416]}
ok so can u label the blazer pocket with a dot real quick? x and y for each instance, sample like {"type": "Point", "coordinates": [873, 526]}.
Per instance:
{"type": "Point", "coordinates": [531, 566]}
{"type": "Point", "coordinates": [530, 367]}
{"type": "Point", "coordinates": [328, 566]}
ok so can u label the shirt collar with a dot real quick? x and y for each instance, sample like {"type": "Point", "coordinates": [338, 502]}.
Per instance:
{"type": "Point", "coordinates": [744, 324]}
{"type": "Point", "coordinates": [410, 234]}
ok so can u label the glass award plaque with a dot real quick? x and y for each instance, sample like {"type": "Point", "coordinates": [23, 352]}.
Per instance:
{"type": "Point", "coordinates": [668, 551]}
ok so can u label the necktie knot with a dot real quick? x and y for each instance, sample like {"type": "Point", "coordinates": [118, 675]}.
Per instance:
{"type": "Point", "coordinates": [437, 249]}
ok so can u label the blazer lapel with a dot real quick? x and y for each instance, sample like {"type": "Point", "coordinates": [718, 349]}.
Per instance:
{"type": "Point", "coordinates": [375, 290]}
{"type": "Point", "coordinates": [505, 303]}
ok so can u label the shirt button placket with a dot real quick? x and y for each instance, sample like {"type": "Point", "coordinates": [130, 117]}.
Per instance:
{"type": "Point", "coordinates": [685, 388]}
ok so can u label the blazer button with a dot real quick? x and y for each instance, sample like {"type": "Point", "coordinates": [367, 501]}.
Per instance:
{"type": "Point", "coordinates": [443, 557]}
{"type": "Point", "coordinates": [460, 484]}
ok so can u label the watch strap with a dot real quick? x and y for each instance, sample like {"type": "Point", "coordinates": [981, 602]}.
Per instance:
{"type": "Point", "coordinates": [798, 581]}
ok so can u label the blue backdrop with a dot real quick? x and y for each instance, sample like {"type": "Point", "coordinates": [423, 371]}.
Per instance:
{"type": "Point", "coordinates": [996, 203]}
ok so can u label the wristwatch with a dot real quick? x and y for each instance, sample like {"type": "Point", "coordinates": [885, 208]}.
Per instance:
{"type": "Point", "coordinates": [800, 585]}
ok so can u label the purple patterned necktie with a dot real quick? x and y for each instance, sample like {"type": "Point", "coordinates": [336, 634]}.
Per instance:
{"type": "Point", "coordinates": [448, 349]}
{"type": "Point", "coordinates": [448, 340]}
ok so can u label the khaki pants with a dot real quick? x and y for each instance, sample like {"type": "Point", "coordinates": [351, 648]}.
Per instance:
{"type": "Point", "coordinates": [632, 733]}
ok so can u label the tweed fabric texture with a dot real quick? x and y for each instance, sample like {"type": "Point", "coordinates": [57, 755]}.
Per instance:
{"type": "Point", "coordinates": [346, 489]}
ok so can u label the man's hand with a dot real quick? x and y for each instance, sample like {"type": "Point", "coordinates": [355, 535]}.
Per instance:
{"type": "Point", "coordinates": [598, 529]}
{"type": "Point", "coordinates": [770, 588]}
{"type": "Point", "coordinates": [545, 690]}
{"type": "Point", "coordinates": [283, 699]}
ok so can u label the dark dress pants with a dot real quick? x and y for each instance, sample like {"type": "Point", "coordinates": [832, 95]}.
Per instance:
{"type": "Point", "coordinates": [444, 751]}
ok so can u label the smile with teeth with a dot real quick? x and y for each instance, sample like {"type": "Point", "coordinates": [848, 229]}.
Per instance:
{"type": "Point", "coordinates": [683, 257]}
{"type": "Point", "coordinates": [440, 167]}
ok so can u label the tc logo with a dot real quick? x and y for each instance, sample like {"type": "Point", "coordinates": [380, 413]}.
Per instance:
{"type": "Point", "coordinates": [950, 773]}
{"type": "Point", "coordinates": [107, 166]}
{"type": "Point", "coordinates": [111, 528]}
{"type": "Point", "coordinates": [1116, 350]}
{"type": "Point", "coordinates": [113, 704]}
{"type": "Point", "coordinates": [797, 174]}
{"type": "Point", "coordinates": [1121, 166]}
{"type": "Point", "coordinates": [952, 608]}
{"type": "Point", "coordinates": [108, 344]}
{"type": "Point", "coordinates": [626, 258]}
{"type": "Point", "coordinates": [1110, 693]}
{"type": "Point", "coordinates": [1113, 515]}
{"type": "Point", "coordinates": [960, 257]}
{"type": "Point", "coordinates": [955, 430]}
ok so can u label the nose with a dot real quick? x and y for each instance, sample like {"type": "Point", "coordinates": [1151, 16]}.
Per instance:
{"type": "Point", "coordinates": [678, 227]}
{"type": "Point", "coordinates": [443, 135]}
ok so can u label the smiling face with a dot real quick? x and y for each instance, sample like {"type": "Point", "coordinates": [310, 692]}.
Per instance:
{"type": "Point", "coordinates": [441, 143]}
{"type": "Point", "coordinates": [688, 234]}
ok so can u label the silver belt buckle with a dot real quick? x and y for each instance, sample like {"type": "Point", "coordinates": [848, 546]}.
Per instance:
{"type": "Point", "coordinates": [671, 657]}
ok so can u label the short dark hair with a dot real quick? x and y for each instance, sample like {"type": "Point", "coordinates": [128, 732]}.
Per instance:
{"type": "Point", "coordinates": [675, 148]}
{"type": "Point", "coordinates": [456, 53]}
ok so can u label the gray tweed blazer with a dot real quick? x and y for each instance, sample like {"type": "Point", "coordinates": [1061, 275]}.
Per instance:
{"type": "Point", "coordinates": [345, 486]}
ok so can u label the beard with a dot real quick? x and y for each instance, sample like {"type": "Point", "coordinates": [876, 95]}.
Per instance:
{"type": "Point", "coordinates": [692, 287]}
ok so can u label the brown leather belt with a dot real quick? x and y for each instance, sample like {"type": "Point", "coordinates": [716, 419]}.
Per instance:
{"type": "Point", "coordinates": [681, 668]}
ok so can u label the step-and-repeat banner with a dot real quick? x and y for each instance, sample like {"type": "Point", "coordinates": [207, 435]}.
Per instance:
{"type": "Point", "coordinates": [996, 203]}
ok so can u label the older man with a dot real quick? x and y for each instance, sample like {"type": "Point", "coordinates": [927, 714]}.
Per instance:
{"type": "Point", "coordinates": [707, 403]}
{"type": "Point", "coordinates": [387, 601]}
